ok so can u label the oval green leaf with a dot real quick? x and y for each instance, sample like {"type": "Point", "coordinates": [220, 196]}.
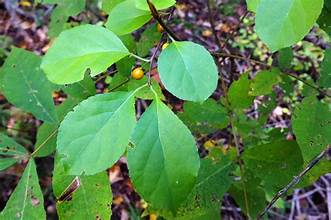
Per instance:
{"type": "Point", "coordinates": [81, 48]}
{"type": "Point", "coordinates": [164, 162]}
{"type": "Point", "coordinates": [275, 163]}
{"type": "Point", "coordinates": [125, 18]}
{"type": "Point", "coordinates": [188, 71]}
{"type": "Point", "coordinates": [25, 85]}
{"type": "Point", "coordinates": [96, 133]}
{"type": "Point", "coordinates": [285, 22]}
{"type": "Point", "coordinates": [311, 126]}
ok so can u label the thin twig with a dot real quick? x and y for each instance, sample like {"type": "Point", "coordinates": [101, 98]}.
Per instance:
{"type": "Point", "coordinates": [295, 180]}
{"type": "Point", "coordinates": [212, 23]}
{"type": "Point", "coordinates": [227, 105]}
{"type": "Point", "coordinates": [158, 47]}
{"type": "Point", "coordinates": [157, 17]}
{"type": "Point", "coordinates": [321, 91]}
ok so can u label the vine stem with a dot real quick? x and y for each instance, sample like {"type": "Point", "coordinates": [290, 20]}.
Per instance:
{"type": "Point", "coordinates": [228, 107]}
{"type": "Point", "coordinates": [321, 91]}
{"type": "Point", "coordinates": [158, 47]}
{"type": "Point", "coordinates": [212, 23]}
{"type": "Point", "coordinates": [157, 17]}
{"type": "Point", "coordinates": [295, 180]}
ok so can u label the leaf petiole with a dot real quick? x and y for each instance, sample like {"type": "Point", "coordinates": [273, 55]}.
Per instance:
{"type": "Point", "coordinates": [139, 58]}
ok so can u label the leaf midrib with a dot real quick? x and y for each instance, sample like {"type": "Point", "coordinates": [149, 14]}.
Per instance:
{"type": "Point", "coordinates": [26, 190]}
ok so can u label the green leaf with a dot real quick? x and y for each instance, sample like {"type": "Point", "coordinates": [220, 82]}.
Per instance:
{"type": "Point", "coordinates": [188, 71]}
{"type": "Point", "coordinates": [125, 18]}
{"type": "Point", "coordinates": [285, 57]}
{"type": "Point", "coordinates": [324, 21]}
{"type": "Point", "coordinates": [26, 202]}
{"type": "Point", "coordinates": [264, 81]}
{"type": "Point", "coordinates": [82, 89]}
{"type": "Point", "coordinates": [200, 213]}
{"type": "Point", "coordinates": [238, 95]}
{"type": "Point", "coordinates": [275, 163]}
{"type": "Point", "coordinates": [206, 117]}
{"type": "Point", "coordinates": [145, 93]}
{"type": "Point", "coordinates": [60, 15]}
{"type": "Point", "coordinates": [66, 61]}
{"type": "Point", "coordinates": [6, 162]}
{"type": "Point", "coordinates": [108, 5]}
{"type": "Point", "coordinates": [164, 162]}
{"type": "Point", "coordinates": [252, 198]}
{"type": "Point", "coordinates": [311, 126]}
{"type": "Point", "coordinates": [325, 74]}
{"type": "Point", "coordinates": [9, 147]}
{"type": "Point", "coordinates": [213, 182]}
{"type": "Point", "coordinates": [147, 40]}
{"type": "Point", "coordinates": [26, 86]}
{"type": "Point", "coordinates": [321, 168]}
{"type": "Point", "coordinates": [125, 65]}
{"type": "Point", "coordinates": [119, 82]}
{"type": "Point", "coordinates": [159, 4]}
{"type": "Point", "coordinates": [84, 197]}
{"type": "Point", "coordinates": [10, 152]}
{"type": "Point", "coordinates": [286, 22]}
{"type": "Point", "coordinates": [47, 132]}
{"type": "Point", "coordinates": [252, 5]}
{"type": "Point", "coordinates": [96, 132]}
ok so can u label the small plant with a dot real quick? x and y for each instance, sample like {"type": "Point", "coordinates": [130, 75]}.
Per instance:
{"type": "Point", "coordinates": [89, 133]}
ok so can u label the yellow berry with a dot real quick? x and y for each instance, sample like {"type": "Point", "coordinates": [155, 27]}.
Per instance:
{"type": "Point", "coordinates": [165, 45]}
{"type": "Point", "coordinates": [159, 28]}
{"type": "Point", "coordinates": [25, 3]}
{"type": "Point", "coordinates": [152, 217]}
{"type": "Point", "coordinates": [137, 73]}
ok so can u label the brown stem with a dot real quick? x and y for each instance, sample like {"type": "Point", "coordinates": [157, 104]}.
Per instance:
{"type": "Point", "coordinates": [158, 47]}
{"type": "Point", "coordinates": [228, 107]}
{"type": "Point", "coordinates": [295, 180]}
{"type": "Point", "coordinates": [157, 17]}
{"type": "Point", "coordinates": [212, 23]}
{"type": "Point", "coordinates": [321, 91]}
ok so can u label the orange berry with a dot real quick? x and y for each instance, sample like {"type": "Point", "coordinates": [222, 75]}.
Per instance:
{"type": "Point", "coordinates": [152, 217]}
{"type": "Point", "coordinates": [165, 45]}
{"type": "Point", "coordinates": [159, 28]}
{"type": "Point", "coordinates": [137, 73]}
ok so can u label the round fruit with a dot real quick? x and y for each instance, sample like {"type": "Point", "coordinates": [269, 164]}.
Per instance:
{"type": "Point", "coordinates": [165, 45]}
{"type": "Point", "coordinates": [159, 28]}
{"type": "Point", "coordinates": [137, 73]}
